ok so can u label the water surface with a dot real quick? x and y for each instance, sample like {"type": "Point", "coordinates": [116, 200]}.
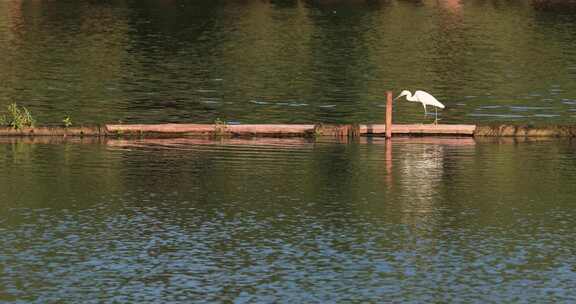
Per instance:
{"type": "Point", "coordinates": [293, 220]}
{"type": "Point", "coordinates": [265, 220]}
{"type": "Point", "coordinates": [287, 61]}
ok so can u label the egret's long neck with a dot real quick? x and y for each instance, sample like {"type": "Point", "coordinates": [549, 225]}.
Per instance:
{"type": "Point", "coordinates": [409, 97]}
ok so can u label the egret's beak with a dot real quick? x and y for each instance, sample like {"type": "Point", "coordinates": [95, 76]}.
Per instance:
{"type": "Point", "coordinates": [397, 97]}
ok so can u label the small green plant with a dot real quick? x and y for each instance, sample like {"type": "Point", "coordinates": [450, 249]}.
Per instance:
{"type": "Point", "coordinates": [219, 126]}
{"type": "Point", "coordinates": [67, 121]}
{"type": "Point", "coordinates": [17, 117]}
{"type": "Point", "coordinates": [219, 122]}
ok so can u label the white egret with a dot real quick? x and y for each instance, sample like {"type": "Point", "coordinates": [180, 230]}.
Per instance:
{"type": "Point", "coordinates": [425, 99]}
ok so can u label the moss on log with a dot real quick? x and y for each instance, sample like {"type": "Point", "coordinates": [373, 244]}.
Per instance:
{"type": "Point", "coordinates": [54, 131]}
{"type": "Point", "coordinates": [526, 131]}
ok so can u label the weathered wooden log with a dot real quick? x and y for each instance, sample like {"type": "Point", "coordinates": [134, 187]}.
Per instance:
{"type": "Point", "coordinates": [295, 130]}
{"type": "Point", "coordinates": [419, 129]}
{"type": "Point", "coordinates": [215, 129]}
{"type": "Point", "coordinates": [291, 130]}
{"type": "Point", "coordinates": [269, 129]}
{"type": "Point", "coordinates": [178, 129]}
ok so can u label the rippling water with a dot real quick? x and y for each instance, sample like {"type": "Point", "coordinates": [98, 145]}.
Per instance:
{"type": "Point", "coordinates": [264, 220]}
{"type": "Point", "coordinates": [293, 220]}
{"type": "Point", "coordinates": [287, 61]}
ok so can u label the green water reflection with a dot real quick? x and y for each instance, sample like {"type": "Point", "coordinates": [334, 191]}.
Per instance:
{"type": "Point", "coordinates": [287, 61]}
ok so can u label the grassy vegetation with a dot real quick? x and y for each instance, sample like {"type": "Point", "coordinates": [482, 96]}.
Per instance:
{"type": "Point", "coordinates": [17, 117]}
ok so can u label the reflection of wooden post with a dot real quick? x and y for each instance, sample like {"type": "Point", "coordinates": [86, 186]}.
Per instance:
{"type": "Point", "coordinates": [388, 114]}
{"type": "Point", "coordinates": [388, 159]}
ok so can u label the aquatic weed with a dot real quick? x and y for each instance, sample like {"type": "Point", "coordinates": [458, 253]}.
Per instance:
{"type": "Point", "coordinates": [67, 121]}
{"type": "Point", "coordinates": [17, 117]}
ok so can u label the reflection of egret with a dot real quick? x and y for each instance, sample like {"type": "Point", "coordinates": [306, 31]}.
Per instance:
{"type": "Point", "coordinates": [421, 169]}
{"type": "Point", "coordinates": [425, 99]}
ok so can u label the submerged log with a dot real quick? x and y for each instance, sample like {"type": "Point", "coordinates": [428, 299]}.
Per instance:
{"type": "Point", "coordinates": [526, 131]}
{"type": "Point", "coordinates": [54, 131]}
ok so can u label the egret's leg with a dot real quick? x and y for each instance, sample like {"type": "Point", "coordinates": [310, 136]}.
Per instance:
{"type": "Point", "coordinates": [425, 112]}
{"type": "Point", "coordinates": [436, 116]}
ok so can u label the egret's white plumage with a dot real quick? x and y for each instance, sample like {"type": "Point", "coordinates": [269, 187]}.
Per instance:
{"type": "Point", "coordinates": [425, 98]}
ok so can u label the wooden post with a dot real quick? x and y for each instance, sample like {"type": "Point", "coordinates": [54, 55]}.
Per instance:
{"type": "Point", "coordinates": [388, 114]}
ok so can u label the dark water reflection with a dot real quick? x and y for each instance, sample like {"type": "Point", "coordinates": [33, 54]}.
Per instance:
{"type": "Point", "coordinates": [264, 220]}
{"type": "Point", "coordinates": [287, 61]}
